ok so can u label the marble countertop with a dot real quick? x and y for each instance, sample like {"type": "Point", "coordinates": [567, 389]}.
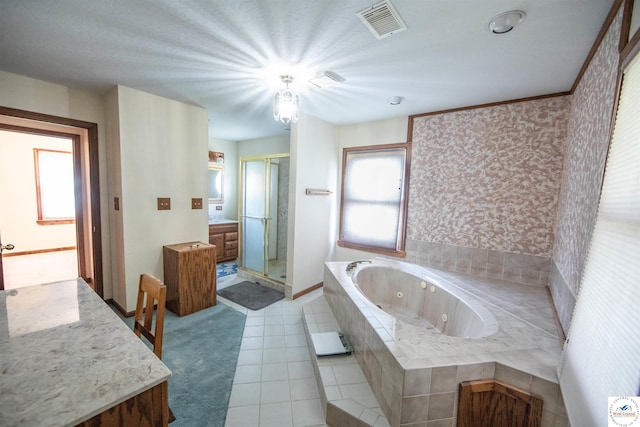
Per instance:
{"type": "Point", "coordinates": [65, 356]}
{"type": "Point", "coordinates": [222, 221]}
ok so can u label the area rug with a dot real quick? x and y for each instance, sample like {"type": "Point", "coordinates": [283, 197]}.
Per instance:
{"type": "Point", "coordinates": [226, 269]}
{"type": "Point", "coordinates": [201, 350]}
{"type": "Point", "coordinates": [251, 295]}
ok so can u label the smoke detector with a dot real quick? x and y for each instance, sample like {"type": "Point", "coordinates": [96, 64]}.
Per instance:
{"type": "Point", "coordinates": [382, 19]}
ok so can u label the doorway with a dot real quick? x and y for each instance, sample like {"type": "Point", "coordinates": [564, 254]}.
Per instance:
{"type": "Point", "coordinates": [37, 209]}
{"type": "Point", "coordinates": [84, 137]}
{"type": "Point", "coordinates": [264, 201]}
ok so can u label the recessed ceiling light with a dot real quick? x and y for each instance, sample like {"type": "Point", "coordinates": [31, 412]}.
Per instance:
{"type": "Point", "coordinates": [395, 100]}
{"type": "Point", "coordinates": [506, 21]}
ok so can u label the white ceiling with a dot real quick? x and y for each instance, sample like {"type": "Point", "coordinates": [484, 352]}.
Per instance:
{"type": "Point", "coordinates": [226, 55]}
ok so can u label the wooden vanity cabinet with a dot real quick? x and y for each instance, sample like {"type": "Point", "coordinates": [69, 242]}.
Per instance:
{"type": "Point", "coordinates": [225, 238]}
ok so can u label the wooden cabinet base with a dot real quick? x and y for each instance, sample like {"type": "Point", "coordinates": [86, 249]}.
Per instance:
{"type": "Point", "coordinates": [490, 403]}
{"type": "Point", "coordinates": [190, 276]}
{"type": "Point", "coordinates": [149, 408]}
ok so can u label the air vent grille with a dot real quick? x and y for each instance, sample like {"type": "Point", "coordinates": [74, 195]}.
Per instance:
{"type": "Point", "coordinates": [382, 19]}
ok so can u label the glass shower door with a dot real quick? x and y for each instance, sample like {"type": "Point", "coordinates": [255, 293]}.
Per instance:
{"type": "Point", "coordinates": [253, 218]}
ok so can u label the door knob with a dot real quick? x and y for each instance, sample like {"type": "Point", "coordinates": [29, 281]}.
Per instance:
{"type": "Point", "coordinates": [8, 247]}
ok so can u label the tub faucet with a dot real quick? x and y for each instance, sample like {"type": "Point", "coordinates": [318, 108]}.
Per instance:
{"type": "Point", "coordinates": [352, 265]}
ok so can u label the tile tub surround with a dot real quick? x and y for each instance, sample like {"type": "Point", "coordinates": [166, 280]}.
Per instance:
{"type": "Point", "coordinates": [519, 268]}
{"type": "Point", "coordinates": [415, 375]}
{"type": "Point", "coordinates": [65, 356]}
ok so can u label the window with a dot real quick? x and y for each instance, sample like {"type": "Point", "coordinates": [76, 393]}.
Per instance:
{"type": "Point", "coordinates": [373, 198]}
{"type": "Point", "coordinates": [54, 186]}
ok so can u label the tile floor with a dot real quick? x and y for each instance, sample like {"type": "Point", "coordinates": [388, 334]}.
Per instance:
{"type": "Point", "coordinates": [274, 384]}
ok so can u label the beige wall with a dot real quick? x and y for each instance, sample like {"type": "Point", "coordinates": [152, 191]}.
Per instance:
{"type": "Point", "coordinates": [18, 205]}
{"type": "Point", "coordinates": [43, 97]}
{"type": "Point", "coordinates": [163, 147]}
{"type": "Point", "coordinates": [312, 219]}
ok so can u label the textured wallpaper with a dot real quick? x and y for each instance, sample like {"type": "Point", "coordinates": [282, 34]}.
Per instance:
{"type": "Point", "coordinates": [587, 144]}
{"type": "Point", "coordinates": [489, 177]}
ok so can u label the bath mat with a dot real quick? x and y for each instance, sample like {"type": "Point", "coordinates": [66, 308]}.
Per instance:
{"type": "Point", "coordinates": [251, 295]}
{"type": "Point", "coordinates": [226, 269]}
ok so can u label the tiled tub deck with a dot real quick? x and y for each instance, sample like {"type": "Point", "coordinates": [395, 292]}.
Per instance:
{"type": "Point", "coordinates": [414, 377]}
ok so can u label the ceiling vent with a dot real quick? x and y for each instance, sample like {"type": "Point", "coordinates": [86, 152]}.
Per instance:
{"type": "Point", "coordinates": [382, 19]}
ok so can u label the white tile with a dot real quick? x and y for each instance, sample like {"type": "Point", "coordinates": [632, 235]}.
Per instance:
{"type": "Point", "coordinates": [275, 372]}
{"type": "Point", "coordinates": [274, 355]}
{"type": "Point", "coordinates": [253, 331]}
{"type": "Point", "coordinates": [296, 341]}
{"type": "Point", "coordinates": [274, 320]}
{"type": "Point", "coordinates": [243, 416]}
{"type": "Point", "coordinates": [303, 389]}
{"type": "Point", "coordinates": [275, 391]}
{"type": "Point", "coordinates": [276, 415]}
{"type": "Point", "coordinates": [254, 321]}
{"type": "Point", "coordinates": [293, 329]}
{"type": "Point", "coordinates": [302, 369]}
{"type": "Point", "coordinates": [360, 393]}
{"type": "Point", "coordinates": [251, 343]}
{"type": "Point", "coordinates": [275, 341]}
{"type": "Point", "coordinates": [298, 354]}
{"type": "Point", "coordinates": [249, 357]}
{"type": "Point", "coordinates": [327, 376]}
{"type": "Point", "coordinates": [270, 330]}
{"type": "Point", "coordinates": [307, 413]}
{"type": "Point", "coordinates": [247, 374]}
{"type": "Point", "coordinates": [349, 374]}
{"type": "Point", "coordinates": [244, 394]}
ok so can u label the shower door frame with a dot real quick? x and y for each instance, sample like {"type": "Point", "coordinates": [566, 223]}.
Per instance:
{"type": "Point", "coordinates": [266, 159]}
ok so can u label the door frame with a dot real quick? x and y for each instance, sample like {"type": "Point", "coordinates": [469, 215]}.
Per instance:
{"type": "Point", "coordinates": [86, 167]}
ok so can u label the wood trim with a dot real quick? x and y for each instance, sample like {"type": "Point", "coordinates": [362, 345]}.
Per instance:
{"type": "Point", "coordinates": [93, 167]}
{"type": "Point", "coordinates": [598, 41]}
{"type": "Point", "coordinates": [55, 221]}
{"type": "Point", "coordinates": [122, 311]}
{"type": "Point", "coordinates": [38, 251]}
{"type": "Point", "coordinates": [625, 29]}
{"type": "Point", "coordinates": [399, 252]}
{"type": "Point", "coordinates": [308, 290]}
{"type": "Point", "coordinates": [477, 106]}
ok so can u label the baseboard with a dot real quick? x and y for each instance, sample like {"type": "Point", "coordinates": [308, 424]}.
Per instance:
{"type": "Point", "coordinates": [38, 251]}
{"type": "Point", "coordinates": [122, 311]}
{"type": "Point", "coordinates": [308, 290]}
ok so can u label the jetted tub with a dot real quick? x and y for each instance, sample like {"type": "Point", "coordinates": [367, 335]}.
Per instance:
{"type": "Point", "coordinates": [422, 303]}
{"type": "Point", "coordinates": [418, 332]}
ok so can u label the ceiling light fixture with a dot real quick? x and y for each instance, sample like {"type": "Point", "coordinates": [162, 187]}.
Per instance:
{"type": "Point", "coordinates": [395, 100]}
{"type": "Point", "coordinates": [285, 103]}
{"type": "Point", "coordinates": [506, 21]}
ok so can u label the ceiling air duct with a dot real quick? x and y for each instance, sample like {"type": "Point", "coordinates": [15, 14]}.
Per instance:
{"type": "Point", "coordinates": [382, 19]}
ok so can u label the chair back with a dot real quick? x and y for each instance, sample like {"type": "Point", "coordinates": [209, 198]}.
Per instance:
{"type": "Point", "coordinates": [151, 292]}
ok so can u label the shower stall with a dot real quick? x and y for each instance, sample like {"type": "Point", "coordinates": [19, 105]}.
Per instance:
{"type": "Point", "coordinates": [263, 208]}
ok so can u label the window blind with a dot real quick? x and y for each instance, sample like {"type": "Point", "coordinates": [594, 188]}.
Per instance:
{"type": "Point", "coordinates": [602, 356]}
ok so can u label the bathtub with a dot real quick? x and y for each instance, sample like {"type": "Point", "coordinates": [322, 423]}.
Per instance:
{"type": "Point", "coordinates": [417, 333]}
{"type": "Point", "coordinates": [422, 301]}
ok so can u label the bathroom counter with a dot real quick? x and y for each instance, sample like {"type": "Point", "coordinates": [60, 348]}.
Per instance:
{"type": "Point", "coordinates": [66, 357]}
{"type": "Point", "coordinates": [222, 221]}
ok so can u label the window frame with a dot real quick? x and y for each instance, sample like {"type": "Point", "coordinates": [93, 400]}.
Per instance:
{"type": "Point", "coordinates": [40, 218]}
{"type": "Point", "coordinates": [399, 250]}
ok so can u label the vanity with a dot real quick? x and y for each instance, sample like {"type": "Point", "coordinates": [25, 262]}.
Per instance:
{"type": "Point", "coordinates": [67, 359]}
{"type": "Point", "coordinates": [224, 235]}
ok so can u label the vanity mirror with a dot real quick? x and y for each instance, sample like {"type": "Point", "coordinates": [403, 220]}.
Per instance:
{"type": "Point", "coordinates": [215, 180]}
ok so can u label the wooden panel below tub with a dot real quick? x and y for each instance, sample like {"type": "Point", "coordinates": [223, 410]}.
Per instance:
{"type": "Point", "coordinates": [490, 403]}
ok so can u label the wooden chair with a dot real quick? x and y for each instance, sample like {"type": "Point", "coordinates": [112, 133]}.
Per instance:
{"type": "Point", "coordinates": [154, 293]}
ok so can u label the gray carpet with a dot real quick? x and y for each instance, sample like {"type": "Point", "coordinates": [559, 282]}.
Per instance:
{"type": "Point", "coordinates": [201, 350]}
{"type": "Point", "coordinates": [251, 295]}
